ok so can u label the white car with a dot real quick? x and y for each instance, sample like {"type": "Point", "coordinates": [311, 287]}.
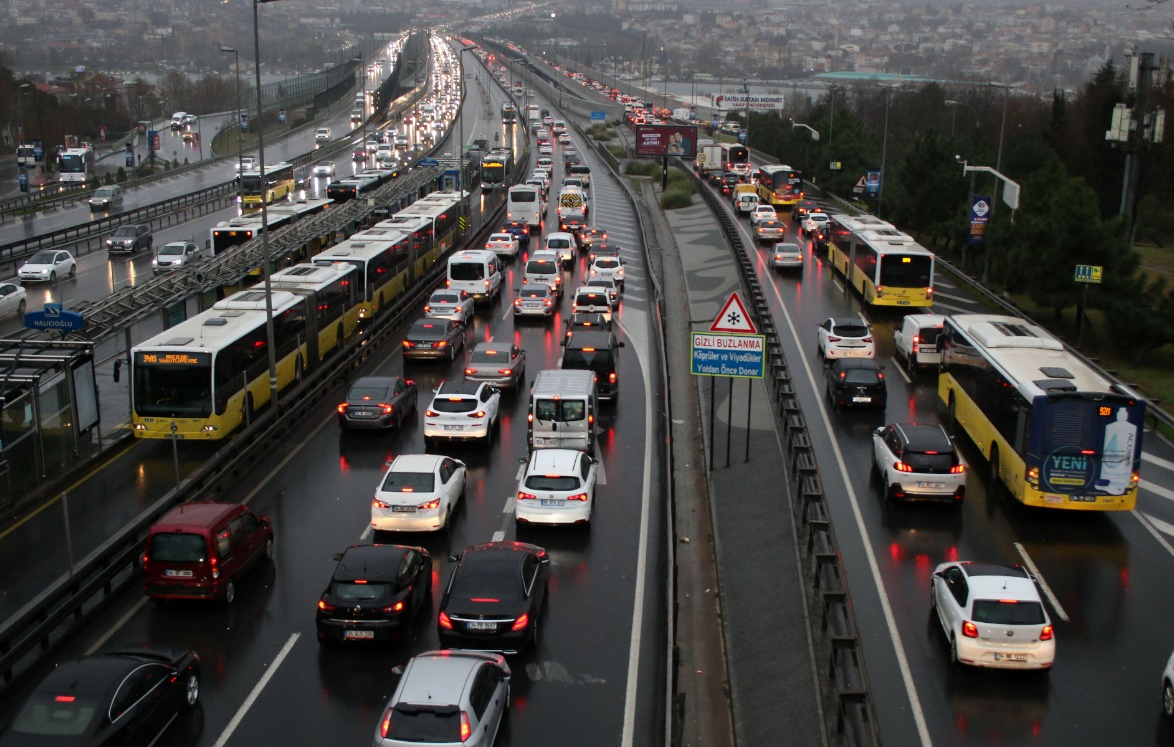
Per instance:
{"type": "Point", "coordinates": [564, 139]}
{"type": "Point", "coordinates": [461, 411]}
{"type": "Point", "coordinates": [608, 267]}
{"type": "Point", "coordinates": [557, 487]}
{"type": "Point", "coordinates": [545, 162]}
{"type": "Point", "coordinates": [324, 168]}
{"type": "Point", "coordinates": [848, 337]}
{"type": "Point", "coordinates": [544, 175]}
{"type": "Point", "coordinates": [542, 132]}
{"type": "Point", "coordinates": [786, 255]}
{"type": "Point", "coordinates": [816, 223]}
{"type": "Point", "coordinates": [992, 616]}
{"type": "Point", "coordinates": [449, 304]}
{"type": "Point", "coordinates": [175, 255]}
{"type": "Point", "coordinates": [502, 244]}
{"type": "Point", "coordinates": [918, 462]}
{"type": "Point", "coordinates": [418, 493]}
{"type": "Point", "coordinates": [761, 213]}
{"type": "Point", "coordinates": [47, 266]}
{"type": "Point", "coordinates": [323, 135]}
{"type": "Point", "coordinates": [545, 149]}
{"type": "Point", "coordinates": [13, 299]}
{"type": "Point", "coordinates": [1168, 689]}
{"type": "Point", "coordinates": [246, 163]}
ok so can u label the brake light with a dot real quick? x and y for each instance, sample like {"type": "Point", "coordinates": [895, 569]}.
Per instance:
{"type": "Point", "coordinates": [447, 283]}
{"type": "Point", "coordinates": [342, 408]}
{"type": "Point", "coordinates": [1046, 633]}
{"type": "Point", "coordinates": [430, 413]}
{"type": "Point", "coordinates": [431, 504]}
{"type": "Point", "coordinates": [445, 621]}
{"type": "Point", "coordinates": [385, 408]}
{"type": "Point", "coordinates": [524, 496]}
{"type": "Point", "coordinates": [611, 377]}
{"type": "Point", "coordinates": [548, 302]}
{"type": "Point", "coordinates": [902, 467]}
{"type": "Point", "coordinates": [427, 308]}
{"type": "Point", "coordinates": [386, 725]}
{"type": "Point", "coordinates": [880, 291]}
{"type": "Point", "coordinates": [486, 283]}
{"type": "Point", "coordinates": [833, 339]}
{"type": "Point", "coordinates": [957, 469]}
{"type": "Point", "coordinates": [470, 371]}
{"type": "Point", "coordinates": [376, 503]}
{"type": "Point", "coordinates": [521, 622]}
{"type": "Point", "coordinates": [578, 497]}
{"type": "Point", "coordinates": [504, 371]}
{"type": "Point", "coordinates": [322, 605]}
{"type": "Point", "coordinates": [969, 629]}
{"type": "Point", "coordinates": [479, 414]}
{"type": "Point", "coordinates": [440, 344]}
{"type": "Point", "coordinates": [409, 344]}
{"type": "Point", "coordinates": [466, 729]}
{"type": "Point", "coordinates": [65, 698]}
{"type": "Point", "coordinates": [518, 301]}
{"type": "Point", "coordinates": [867, 339]}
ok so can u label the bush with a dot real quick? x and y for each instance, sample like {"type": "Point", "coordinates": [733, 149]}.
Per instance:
{"type": "Point", "coordinates": [618, 151]}
{"type": "Point", "coordinates": [637, 167]}
{"type": "Point", "coordinates": [675, 199]}
{"type": "Point", "coordinates": [121, 176]}
{"type": "Point", "coordinates": [678, 179]}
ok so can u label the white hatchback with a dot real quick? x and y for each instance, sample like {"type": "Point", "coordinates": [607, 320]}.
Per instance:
{"type": "Point", "coordinates": [608, 267]}
{"type": "Point", "coordinates": [848, 337]}
{"type": "Point", "coordinates": [461, 411]}
{"type": "Point", "coordinates": [418, 493]}
{"type": "Point", "coordinates": [557, 487]}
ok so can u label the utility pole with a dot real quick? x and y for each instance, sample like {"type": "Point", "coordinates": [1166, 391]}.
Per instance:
{"type": "Point", "coordinates": [1135, 127]}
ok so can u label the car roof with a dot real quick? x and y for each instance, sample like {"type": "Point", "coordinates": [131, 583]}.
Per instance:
{"type": "Point", "coordinates": [843, 364]}
{"type": "Point", "coordinates": [553, 461]}
{"type": "Point", "coordinates": [453, 388]}
{"type": "Point", "coordinates": [437, 678]}
{"type": "Point", "coordinates": [90, 675]}
{"type": "Point", "coordinates": [589, 338]}
{"type": "Point", "coordinates": [925, 437]}
{"type": "Point", "coordinates": [369, 562]}
{"type": "Point", "coordinates": [848, 321]}
{"type": "Point", "coordinates": [374, 381]}
{"type": "Point", "coordinates": [787, 246]}
{"type": "Point", "coordinates": [195, 513]}
{"type": "Point", "coordinates": [998, 581]}
{"type": "Point", "coordinates": [429, 326]}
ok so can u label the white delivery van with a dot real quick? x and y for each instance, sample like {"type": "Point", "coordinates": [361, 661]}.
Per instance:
{"type": "Point", "coordinates": [177, 120]}
{"type": "Point", "coordinates": [563, 244]}
{"type": "Point", "coordinates": [916, 341]}
{"type": "Point", "coordinates": [477, 272]}
{"type": "Point", "coordinates": [524, 203]}
{"type": "Point", "coordinates": [562, 410]}
{"type": "Point", "coordinates": [544, 267]}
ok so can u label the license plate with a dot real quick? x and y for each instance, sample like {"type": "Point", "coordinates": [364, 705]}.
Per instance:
{"type": "Point", "coordinates": [1083, 498]}
{"type": "Point", "coordinates": [177, 574]}
{"type": "Point", "coordinates": [533, 306]}
{"type": "Point", "coordinates": [403, 509]}
{"type": "Point", "coordinates": [1010, 657]}
{"type": "Point", "coordinates": [902, 303]}
{"type": "Point", "coordinates": [358, 634]}
{"type": "Point", "coordinates": [541, 441]}
{"type": "Point", "coordinates": [931, 485]}
{"type": "Point", "coordinates": [453, 427]}
{"type": "Point", "coordinates": [553, 502]}
{"type": "Point", "coordinates": [862, 399]}
{"type": "Point", "coordinates": [481, 625]}
{"type": "Point", "coordinates": [362, 414]}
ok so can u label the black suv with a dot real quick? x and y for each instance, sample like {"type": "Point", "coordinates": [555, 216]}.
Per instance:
{"type": "Point", "coordinates": [598, 352]}
{"type": "Point", "coordinates": [130, 239]}
{"type": "Point", "coordinates": [729, 181]}
{"type": "Point", "coordinates": [801, 209]}
{"type": "Point", "coordinates": [856, 382]}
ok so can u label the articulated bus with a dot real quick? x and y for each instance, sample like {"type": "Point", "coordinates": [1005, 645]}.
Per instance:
{"type": "Point", "coordinates": [886, 266]}
{"type": "Point", "coordinates": [333, 292]}
{"type": "Point", "coordinates": [75, 165]}
{"type": "Point", "coordinates": [242, 228]}
{"type": "Point", "coordinates": [277, 184]}
{"type": "Point", "coordinates": [207, 375]}
{"type": "Point", "coordinates": [496, 167]}
{"type": "Point", "coordinates": [382, 258]}
{"type": "Point", "coordinates": [441, 210]}
{"type": "Point", "coordinates": [1055, 432]}
{"type": "Point", "coordinates": [736, 158]}
{"type": "Point", "coordinates": [780, 186]}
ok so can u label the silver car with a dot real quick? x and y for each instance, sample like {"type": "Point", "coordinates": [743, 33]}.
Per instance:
{"type": "Point", "coordinates": [786, 255]}
{"type": "Point", "coordinates": [501, 364]}
{"type": "Point", "coordinates": [452, 697]}
{"type": "Point", "coordinates": [175, 255]}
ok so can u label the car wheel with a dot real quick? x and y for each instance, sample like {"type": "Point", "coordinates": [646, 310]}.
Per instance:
{"type": "Point", "coordinates": [954, 661]}
{"type": "Point", "coordinates": [21, 307]}
{"type": "Point", "coordinates": [1168, 699]}
{"type": "Point", "coordinates": [995, 483]}
{"type": "Point", "coordinates": [52, 275]}
{"type": "Point", "coordinates": [72, 270]}
{"type": "Point", "coordinates": [191, 690]}
{"type": "Point", "coordinates": [229, 593]}
{"type": "Point", "coordinates": [951, 412]}
{"type": "Point", "coordinates": [269, 549]}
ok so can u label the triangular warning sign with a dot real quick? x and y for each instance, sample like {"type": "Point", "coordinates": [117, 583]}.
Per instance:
{"type": "Point", "coordinates": [733, 318]}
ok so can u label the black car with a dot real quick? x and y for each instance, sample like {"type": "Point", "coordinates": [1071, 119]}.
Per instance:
{"type": "Point", "coordinates": [434, 339]}
{"type": "Point", "coordinates": [494, 598]}
{"type": "Point", "coordinates": [604, 249]}
{"type": "Point", "coordinates": [126, 695]}
{"type": "Point", "coordinates": [130, 239]}
{"type": "Point", "coordinates": [801, 209]}
{"type": "Point", "coordinates": [375, 593]}
{"type": "Point", "coordinates": [520, 229]}
{"type": "Point", "coordinates": [729, 180]}
{"type": "Point", "coordinates": [856, 382]}
{"type": "Point", "coordinates": [589, 321]}
{"type": "Point", "coordinates": [378, 402]}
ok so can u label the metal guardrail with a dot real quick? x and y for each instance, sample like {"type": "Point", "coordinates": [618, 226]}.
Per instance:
{"type": "Point", "coordinates": [845, 680]}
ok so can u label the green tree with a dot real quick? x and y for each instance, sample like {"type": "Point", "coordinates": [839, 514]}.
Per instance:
{"type": "Point", "coordinates": [927, 189]}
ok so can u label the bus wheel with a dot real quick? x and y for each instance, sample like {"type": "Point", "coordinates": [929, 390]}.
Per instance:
{"type": "Point", "coordinates": [951, 412]}
{"type": "Point", "coordinates": [299, 370]}
{"type": "Point", "coordinates": [995, 483]}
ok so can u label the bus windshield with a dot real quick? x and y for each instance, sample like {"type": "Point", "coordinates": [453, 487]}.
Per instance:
{"type": "Point", "coordinates": [182, 390]}
{"type": "Point", "coordinates": [252, 184]}
{"type": "Point", "coordinates": [903, 271]}
{"type": "Point", "coordinates": [72, 164]}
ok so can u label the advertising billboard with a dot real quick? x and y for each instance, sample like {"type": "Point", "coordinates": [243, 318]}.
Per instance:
{"type": "Point", "coordinates": [753, 102]}
{"type": "Point", "coordinates": [666, 140]}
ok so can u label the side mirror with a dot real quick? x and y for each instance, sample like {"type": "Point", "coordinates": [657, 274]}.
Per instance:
{"type": "Point", "coordinates": [454, 558]}
{"type": "Point", "coordinates": [397, 671]}
{"type": "Point", "coordinates": [878, 431]}
{"type": "Point", "coordinates": [562, 342]}
{"type": "Point", "coordinates": [545, 560]}
{"type": "Point", "coordinates": [620, 344]}
{"type": "Point", "coordinates": [117, 370]}
{"type": "Point", "coordinates": [388, 463]}
{"type": "Point", "coordinates": [336, 557]}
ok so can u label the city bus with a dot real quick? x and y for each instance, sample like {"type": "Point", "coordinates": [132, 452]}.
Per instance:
{"type": "Point", "coordinates": [333, 293]}
{"type": "Point", "coordinates": [496, 167]}
{"type": "Point", "coordinates": [886, 266]}
{"type": "Point", "coordinates": [382, 259]}
{"type": "Point", "coordinates": [1056, 433]}
{"type": "Point", "coordinates": [736, 158]}
{"type": "Point", "coordinates": [204, 377]}
{"type": "Point", "coordinates": [75, 165]}
{"type": "Point", "coordinates": [509, 113]}
{"type": "Point", "coordinates": [278, 184]}
{"type": "Point", "coordinates": [235, 231]}
{"type": "Point", "coordinates": [780, 186]}
{"type": "Point", "coordinates": [441, 210]}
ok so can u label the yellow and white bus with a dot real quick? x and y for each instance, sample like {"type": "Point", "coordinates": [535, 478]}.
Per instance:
{"type": "Point", "coordinates": [277, 184]}
{"type": "Point", "coordinates": [333, 292]}
{"type": "Point", "coordinates": [780, 186]}
{"type": "Point", "coordinates": [382, 258]}
{"type": "Point", "coordinates": [1056, 433]}
{"type": "Point", "coordinates": [886, 266]}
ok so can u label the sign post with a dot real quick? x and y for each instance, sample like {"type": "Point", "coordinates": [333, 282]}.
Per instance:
{"type": "Point", "coordinates": [1088, 275]}
{"type": "Point", "coordinates": [52, 316]}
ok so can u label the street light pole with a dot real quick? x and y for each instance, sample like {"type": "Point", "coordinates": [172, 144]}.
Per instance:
{"type": "Point", "coordinates": [240, 135]}
{"type": "Point", "coordinates": [977, 122]}
{"type": "Point", "coordinates": [880, 193]}
{"type": "Point", "coordinates": [461, 144]}
{"type": "Point", "coordinates": [265, 269]}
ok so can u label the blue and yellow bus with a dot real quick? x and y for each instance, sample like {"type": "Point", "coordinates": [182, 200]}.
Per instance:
{"type": "Point", "coordinates": [780, 186]}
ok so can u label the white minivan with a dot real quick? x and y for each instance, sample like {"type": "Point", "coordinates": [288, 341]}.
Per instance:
{"type": "Point", "coordinates": [562, 410]}
{"type": "Point", "coordinates": [477, 272]}
{"type": "Point", "coordinates": [524, 203]}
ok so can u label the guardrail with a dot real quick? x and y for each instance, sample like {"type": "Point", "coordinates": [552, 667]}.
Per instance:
{"type": "Point", "coordinates": [845, 679]}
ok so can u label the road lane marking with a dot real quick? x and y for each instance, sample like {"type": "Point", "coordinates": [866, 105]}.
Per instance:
{"type": "Point", "coordinates": [509, 504]}
{"type": "Point", "coordinates": [1147, 457]}
{"type": "Point", "coordinates": [498, 536]}
{"type": "Point", "coordinates": [1154, 526]}
{"type": "Point", "coordinates": [117, 626]}
{"type": "Point", "coordinates": [1156, 489]}
{"type": "Point", "coordinates": [836, 282]}
{"type": "Point", "coordinates": [901, 371]}
{"type": "Point", "coordinates": [1042, 583]}
{"type": "Point", "coordinates": [916, 710]}
{"type": "Point", "coordinates": [244, 709]}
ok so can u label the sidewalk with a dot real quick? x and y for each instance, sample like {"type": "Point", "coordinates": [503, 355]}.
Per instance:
{"type": "Point", "coordinates": [737, 555]}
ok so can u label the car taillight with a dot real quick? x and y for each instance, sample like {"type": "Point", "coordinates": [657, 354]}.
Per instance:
{"type": "Point", "coordinates": [322, 605]}
{"type": "Point", "coordinates": [445, 621]}
{"type": "Point", "coordinates": [376, 503]}
{"type": "Point", "coordinates": [427, 308]}
{"type": "Point", "coordinates": [409, 344]}
{"type": "Point", "coordinates": [504, 371]}
{"type": "Point", "coordinates": [430, 413]}
{"type": "Point", "coordinates": [525, 281]}
{"type": "Point", "coordinates": [517, 301]}
{"type": "Point", "coordinates": [548, 302]}
{"type": "Point", "coordinates": [521, 622]}
{"type": "Point", "coordinates": [833, 339]}
{"type": "Point", "coordinates": [479, 414]}
{"type": "Point", "coordinates": [1046, 633]}
{"type": "Point", "coordinates": [902, 467]}
{"type": "Point", "coordinates": [397, 607]}
{"type": "Point", "coordinates": [440, 344]}
{"type": "Point", "coordinates": [524, 496]}
{"type": "Point", "coordinates": [969, 629]}
{"type": "Point", "coordinates": [447, 283]}
{"type": "Point", "coordinates": [385, 725]}
{"type": "Point", "coordinates": [867, 339]}
{"type": "Point", "coordinates": [957, 469]}
{"type": "Point", "coordinates": [342, 408]}
{"type": "Point", "coordinates": [578, 497]}
{"type": "Point", "coordinates": [466, 729]}
{"type": "Point", "coordinates": [486, 283]}
{"type": "Point", "coordinates": [435, 503]}
{"type": "Point", "coordinates": [611, 377]}
{"type": "Point", "coordinates": [385, 408]}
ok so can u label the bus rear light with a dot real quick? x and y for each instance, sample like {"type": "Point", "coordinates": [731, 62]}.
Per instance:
{"type": "Point", "coordinates": [880, 291]}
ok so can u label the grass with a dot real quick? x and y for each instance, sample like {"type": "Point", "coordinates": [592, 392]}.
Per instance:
{"type": "Point", "coordinates": [600, 132]}
{"type": "Point", "coordinates": [676, 198]}
{"type": "Point", "coordinates": [679, 180]}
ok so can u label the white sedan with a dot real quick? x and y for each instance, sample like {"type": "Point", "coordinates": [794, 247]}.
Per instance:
{"type": "Point", "coordinates": [47, 266]}
{"type": "Point", "coordinates": [761, 213]}
{"type": "Point", "coordinates": [418, 493]}
{"type": "Point", "coordinates": [557, 487]}
{"type": "Point", "coordinates": [449, 304]}
{"type": "Point", "coordinates": [503, 244]}
{"type": "Point", "coordinates": [13, 299]}
{"type": "Point", "coordinates": [992, 616]}
{"type": "Point", "coordinates": [324, 168]}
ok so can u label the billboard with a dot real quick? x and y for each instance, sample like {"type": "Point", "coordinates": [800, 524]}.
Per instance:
{"type": "Point", "coordinates": [666, 140]}
{"type": "Point", "coordinates": [743, 101]}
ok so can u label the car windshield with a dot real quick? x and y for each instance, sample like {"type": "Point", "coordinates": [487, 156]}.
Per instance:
{"type": "Point", "coordinates": [861, 376]}
{"type": "Point", "coordinates": [172, 249]}
{"type": "Point", "coordinates": [350, 591]}
{"type": "Point", "coordinates": [425, 724]}
{"type": "Point", "coordinates": [52, 715]}
{"type": "Point", "coordinates": [41, 258]}
{"type": "Point", "coordinates": [178, 547]}
{"type": "Point", "coordinates": [850, 330]}
{"type": "Point", "coordinates": [104, 192]}
{"type": "Point", "coordinates": [125, 232]}
{"type": "Point", "coordinates": [552, 482]}
{"type": "Point", "coordinates": [409, 482]}
{"type": "Point", "coordinates": [454, 404]}
{"type": "Point", "coordinates": [1001, 612]}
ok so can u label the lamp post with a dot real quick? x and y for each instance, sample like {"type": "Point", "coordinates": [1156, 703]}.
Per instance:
{"type": "Point", "coordinates": [461, 143]}
{"type": "Point", "coordinates": [977, 122]}
{"type": "Point", "coordinates": [746, 94]}
{"type": "Point", "coordinates": [880, 193]}
{"type": "Point", "coordinates": [20, 108]}
{"type": "Point", "coordinates": [265, 269]}
{"type": "Point", "coordinates": [240, 135]}
{"type": "Point", "coordinates": [1003, 125]}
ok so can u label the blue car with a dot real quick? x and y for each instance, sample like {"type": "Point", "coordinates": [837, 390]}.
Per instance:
{"type": "Point", "coordinates": [520, 229]}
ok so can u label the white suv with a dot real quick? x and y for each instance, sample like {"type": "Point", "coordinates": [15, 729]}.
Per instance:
{"type": "Point", "coordinates": [918, 461]}
{"type": "Point", "coordinates": [323, 135]}
{"type": "Point", "coordinates": [461, 411]}
{"type": "Point", "coordinates": [557, 487]}
{"type": "Point", "coordinates": [846, 338]}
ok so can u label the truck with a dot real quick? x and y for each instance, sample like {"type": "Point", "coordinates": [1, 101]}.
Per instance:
{"type": "Point", "coordinates": [682, 114]}
{"type": "Point", "coordinates": [709, 159]}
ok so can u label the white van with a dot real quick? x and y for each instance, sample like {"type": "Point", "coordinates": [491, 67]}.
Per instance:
{"type": "Point", "coordinates": [477, 272]}
{"type": "Point", "coordinates": [562, 412]}
{"type": "Point", "coordinates": [544, 267]}
{"type": "Point", "coordinates": [177, 120]}
{"type": "Point", "coordinates": [524, 203]}
{"type": "Point", "coordinates": [563, 244]}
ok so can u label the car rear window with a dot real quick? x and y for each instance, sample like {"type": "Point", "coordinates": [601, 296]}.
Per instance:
{"type": "Point", "coordinates": [409, 482]}
{"type": "Point", "coordinates": [851, 330]}
{"type": "Point", "coordinates": [466, 270]}
{"type": "Point", "coordinates": [928, 336]}
{"type": "Point", "coordinates": [454, 404]}
{"type": "Point", "coordinates": [552, 482]}
{"type": "Point", "coordinates": [426, 332]}
{"type": "Point", "coordinates": [540, 268]}
{"type": "Point", "coordinates": [423, 724]}
{"type": "Point", "coordinates": [536, 292]}
{"type": "Point", "coordinates": [562, 410]}
{"type": "Point", "coordinates": [489, 356]}
{"type": "Point", "coordinates": [369, 393]}
{"type": "Point", "coordinates": [178, 547]}
{"type": "Point", "coordinates": [49, 715]}
{"type": "Point", "coordinates": [861, 376]}
{"type": "Point", "coordinates": [559, 243]}
{"type": "Point", "coordinates": [443, 297]}
{"type": "Point", "coordinates": [358, 591]}
{"type": "Point", "coordinates": [1008, 612]}
{"type": "Point", "coordinates": [596, 360]}
{"type": "Point", "coordinates": [921, 462]}
{"type": "Point", "coordinates": [607, 263]}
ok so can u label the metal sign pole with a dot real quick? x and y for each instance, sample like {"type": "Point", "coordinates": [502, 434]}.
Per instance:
{"type": "Point", "coordinates": [749, 397]}
{"type": "Point", "coordinates": [712, 405]}
{"type": "Point", "coordinates": [68, 536]}
{"type": "Point", "coordinates": [729, 418]}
